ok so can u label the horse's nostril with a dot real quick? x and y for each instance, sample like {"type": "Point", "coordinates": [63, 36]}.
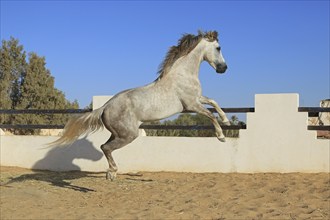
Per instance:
{"type": "Point", "coordinates": [222, 67]}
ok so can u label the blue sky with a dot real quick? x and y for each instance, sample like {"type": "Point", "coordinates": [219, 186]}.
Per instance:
{"type": "Point", "coordinates": [103, 47]}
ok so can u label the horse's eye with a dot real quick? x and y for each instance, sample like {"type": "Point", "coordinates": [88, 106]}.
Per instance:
{"type": "Point", "coordinates": [218, 48]}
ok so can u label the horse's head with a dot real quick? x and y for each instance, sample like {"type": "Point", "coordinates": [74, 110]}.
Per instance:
{"type": "Point", "coordinates": [213, 54]}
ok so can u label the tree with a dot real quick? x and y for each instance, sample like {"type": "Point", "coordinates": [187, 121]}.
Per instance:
{"type": "Point", "coordinates": [12, 70]}
{"type": "Point", "coordinates": [38, 85]}
{"type": "Point", "coordinates": [29, 85]}
{"type": "Point", "coordinates": [38, 92]}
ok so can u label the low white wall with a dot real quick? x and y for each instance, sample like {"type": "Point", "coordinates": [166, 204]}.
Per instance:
{"type": "Point", "coordinates": [276, 140]}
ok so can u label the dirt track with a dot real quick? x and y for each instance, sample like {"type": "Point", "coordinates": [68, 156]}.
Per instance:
{"type": "Point", "coordinates": [27, 194]}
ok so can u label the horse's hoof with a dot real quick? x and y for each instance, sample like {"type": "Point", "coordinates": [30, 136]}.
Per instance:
{"type": "Point", "coordinates": [226, 123]}
{"type": "Point", "coordinates": [111, 176]}
{"type": "Point", "coordinates": [222, 139]}
{"type": "Point", "coordinates": [107, 176]}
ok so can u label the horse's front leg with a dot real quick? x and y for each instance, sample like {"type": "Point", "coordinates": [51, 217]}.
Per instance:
{"type": "Point", "coordinates": [200, 109]}
{"type": "Point", "coordinates": [208, 101]}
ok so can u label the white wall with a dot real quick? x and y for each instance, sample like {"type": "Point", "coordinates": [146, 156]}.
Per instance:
{"type": "Point", "coordinates": [276, 140]}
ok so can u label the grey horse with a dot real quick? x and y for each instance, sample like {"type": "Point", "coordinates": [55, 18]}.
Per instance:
{"type": "Point", "coordinates": [177, 88]}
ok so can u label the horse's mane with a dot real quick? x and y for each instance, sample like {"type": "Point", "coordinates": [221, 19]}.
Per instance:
{"type": "Point", "coordinates": [185, 45]}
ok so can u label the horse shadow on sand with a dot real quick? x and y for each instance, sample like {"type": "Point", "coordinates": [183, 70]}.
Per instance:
{"type": "Point", "coordinates": [60, 159]}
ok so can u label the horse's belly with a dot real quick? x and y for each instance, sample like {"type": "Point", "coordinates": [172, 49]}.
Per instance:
{"type": "Point", "coordinates": [158, 115]}
{"type": "Point", "coordinates": [153, 111]}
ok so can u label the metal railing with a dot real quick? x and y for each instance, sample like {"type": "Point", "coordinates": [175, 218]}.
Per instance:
{"type": "Point", "coordinates": [312, 112]}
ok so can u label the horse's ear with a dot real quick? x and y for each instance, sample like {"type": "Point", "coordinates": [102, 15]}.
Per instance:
{"type": "Point", "coordinates": [211, 36]}
{"type": "Point", "coordinates": [215, 35]}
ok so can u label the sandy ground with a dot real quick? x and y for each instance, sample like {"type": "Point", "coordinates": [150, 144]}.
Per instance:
{"type": "Point", "coordinates": [27, 194]}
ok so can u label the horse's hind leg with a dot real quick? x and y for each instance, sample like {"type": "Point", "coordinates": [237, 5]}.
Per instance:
{"type": "Point", "coordinates": [112, 144]}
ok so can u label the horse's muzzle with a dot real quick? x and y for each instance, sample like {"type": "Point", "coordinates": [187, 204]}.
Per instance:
{"type": "Point", "coordinates": [221, 68]}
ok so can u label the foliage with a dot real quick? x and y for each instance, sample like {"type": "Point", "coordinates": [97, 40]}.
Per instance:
{"type": "Point", "coordinates": [12, 70]}
{"type": "Point", "coordinates": [28, 85]}
{"type": "Point", "coordinates": [192, 119]}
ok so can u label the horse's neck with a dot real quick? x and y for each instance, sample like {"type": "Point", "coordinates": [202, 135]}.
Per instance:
{"type": "Point", "coordinates": [188, 66]}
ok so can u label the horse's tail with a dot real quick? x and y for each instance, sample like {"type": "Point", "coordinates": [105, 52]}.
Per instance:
{"type": "Point", "coordinates": [80, 125]}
